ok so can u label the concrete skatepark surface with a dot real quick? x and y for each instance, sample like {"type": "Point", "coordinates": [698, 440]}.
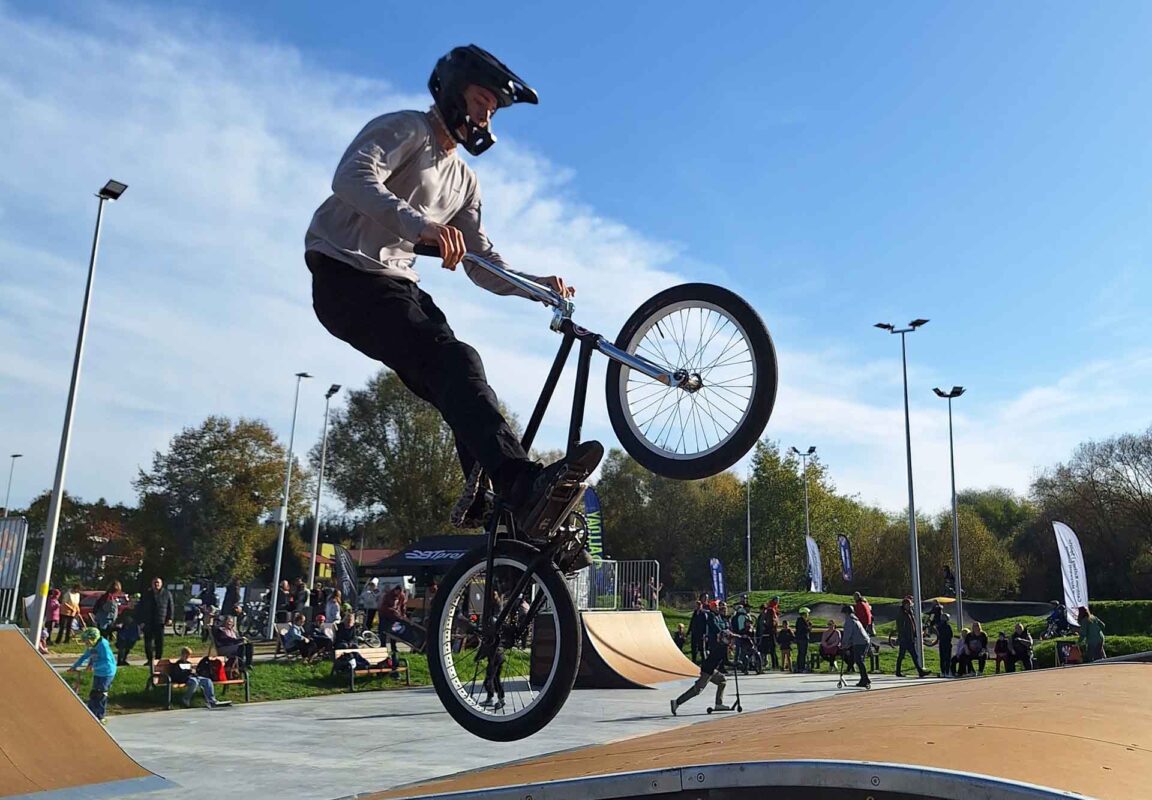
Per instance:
{"type": "Point", "coordinates": [347, 745]}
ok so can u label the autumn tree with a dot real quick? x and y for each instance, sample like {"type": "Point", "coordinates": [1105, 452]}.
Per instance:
{"type": "Point", "coordinates": [209, 495]}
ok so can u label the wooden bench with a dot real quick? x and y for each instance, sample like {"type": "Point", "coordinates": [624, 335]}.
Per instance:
{"type": "Point", "coordinates": [373, 655]}
{"type": "Point", "coordinates": [159, 676]}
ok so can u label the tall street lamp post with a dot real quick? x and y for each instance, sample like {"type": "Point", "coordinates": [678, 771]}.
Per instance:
{"type": "Point", "coordinates": [319, 484]}
{"type": "Point", "coordinates": [807, 529]}
{"type": "Point", "coordinates": [912, 543]}
{"type": "Point", "coordinates": [956, 392]}
{"type": "Point", "coordinates": [110, 193]}
{"type": "Point", "coordinates": [748, 529]}
{"type": "Point", "coordinates": [274, 594]}
{"type": "Point", "coordinates": [8, 494]}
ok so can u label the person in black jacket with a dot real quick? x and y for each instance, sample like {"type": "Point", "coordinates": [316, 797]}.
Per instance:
{"type": "Point", "coordinates": [803, 635]}
{"type": "Point", "coordinates": [154, 612]}
{"type": "Point", "coordinates": [906, 636]}
{"type": "Point", "coordinates": [944, 636]}
{"type": "Point", "coordinates": [711, 671]}
{"type": "Point", "coordinates": [696, 628]}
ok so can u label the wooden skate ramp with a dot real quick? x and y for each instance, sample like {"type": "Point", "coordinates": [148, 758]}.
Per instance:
{"type": "Point", "coordinates": [50, 745]}
{"type": "Point", "coordinates": [629, 650]}
{"type": "Point", "coordinates": [1040, 734]}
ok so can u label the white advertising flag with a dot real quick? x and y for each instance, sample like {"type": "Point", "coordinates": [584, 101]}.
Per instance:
{"type": "Point", "coordinates": [815, 571]}
{"type": "Point", "coordinates": [1071, 570]}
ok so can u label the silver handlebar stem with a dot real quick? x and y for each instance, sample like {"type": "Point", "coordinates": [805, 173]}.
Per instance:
{"type": "Point", "coordinates": [563, 310]}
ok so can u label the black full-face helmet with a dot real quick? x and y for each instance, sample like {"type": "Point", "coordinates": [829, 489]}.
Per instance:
{"type": "Point", "coordinates": [473, 65]}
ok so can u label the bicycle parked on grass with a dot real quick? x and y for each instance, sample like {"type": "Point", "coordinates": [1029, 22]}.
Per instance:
{"type": "Point", "coordinates": [691, 383]}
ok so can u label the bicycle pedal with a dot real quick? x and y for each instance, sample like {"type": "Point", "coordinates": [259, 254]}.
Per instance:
{"type": "Point", "coordinates": [548, 523]}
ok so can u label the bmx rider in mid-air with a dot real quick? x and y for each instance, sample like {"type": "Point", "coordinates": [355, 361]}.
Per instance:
{"type": "Point", "coordinates": [402, 182]}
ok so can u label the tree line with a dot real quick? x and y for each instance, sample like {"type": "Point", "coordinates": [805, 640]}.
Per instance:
{"type": "Point", "coordinates": [206, 508]}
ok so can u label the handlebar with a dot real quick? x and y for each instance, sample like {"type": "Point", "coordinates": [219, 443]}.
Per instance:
{"type": "Point", "coordinates": [529, 287]}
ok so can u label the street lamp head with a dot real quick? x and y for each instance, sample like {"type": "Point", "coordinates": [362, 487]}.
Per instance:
{"type": "Point", "coordinates": [940, 393]}
{"type": "Point", "coordinates": [885, 326]}
{"type": "Point", "coordinates": [916, 323]}
{"type": "Point", "coordinates": [17, 455]}
{"type": "Point", "coordinates": [112, 190]}
{"type": "Point", "coordinates": [811, 449]}
{"type": "Point", "coordinates": [957, 391]}
{"type": "Point", "coordinates": [332, 390]}
{"type": "Point", "coordinates": [794, 450]}
{"type": "Point", "coordinates": [303, 375]}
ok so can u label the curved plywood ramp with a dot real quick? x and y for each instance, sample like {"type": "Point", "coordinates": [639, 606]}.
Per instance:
{"type": "Point", "coordinates": [629, 650]}
{"type": "Point", "coordinates": [40, 715]}
{"type": "Point", "coordinates": [1076, 732]}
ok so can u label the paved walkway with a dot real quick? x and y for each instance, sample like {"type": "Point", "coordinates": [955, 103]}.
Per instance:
{"type": "Point", "coordinates": [340, 746]}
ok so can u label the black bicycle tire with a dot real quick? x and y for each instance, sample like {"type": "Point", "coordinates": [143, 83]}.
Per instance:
{"type": "Point", "coordinates": [748, 433]}
{"type": "Point", "coordinates": [568, 642]}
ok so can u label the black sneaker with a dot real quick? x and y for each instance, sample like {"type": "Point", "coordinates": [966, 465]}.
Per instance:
{"type": "Point", "coordinates": [473, 508]}
{"type": "Point", "coordinates": [547, 501]}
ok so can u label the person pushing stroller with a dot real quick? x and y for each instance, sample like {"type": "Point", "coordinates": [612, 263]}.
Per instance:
{"type": "Point", "coordinates": [711, 671]}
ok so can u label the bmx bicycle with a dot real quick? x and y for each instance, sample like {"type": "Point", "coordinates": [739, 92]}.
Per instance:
{"type": "Point", "coordinates": [929, 635]}
{"type": "Point", "coordinates": [690, 385]}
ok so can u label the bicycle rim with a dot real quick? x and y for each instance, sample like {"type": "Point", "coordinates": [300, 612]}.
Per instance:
{"type": "Point", "coordinates": [701, 338]}
{"type": "Point", "coordinates": [468, 670]}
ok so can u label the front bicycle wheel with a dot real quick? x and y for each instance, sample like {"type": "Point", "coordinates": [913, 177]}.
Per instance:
{"type": "Point", "coordinates": [503, 684]}
{"type": "Point", "coordinates": [718, 344]}
{"type": "Point", "coordinates": [370, 638]}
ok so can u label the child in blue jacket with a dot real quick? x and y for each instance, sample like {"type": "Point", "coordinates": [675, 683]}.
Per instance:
{"type": "Point", "coordinates": [103, 663]}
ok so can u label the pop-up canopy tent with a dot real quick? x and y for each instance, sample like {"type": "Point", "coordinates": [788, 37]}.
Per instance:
{"type": "Point", "coordinates": [431, 555]}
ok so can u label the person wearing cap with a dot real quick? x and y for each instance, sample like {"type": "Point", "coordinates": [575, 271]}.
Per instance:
{"type": "Point", "coordinates": [855, 642]}
{"type": "Point", "coordinates": [103, 666]}
{"type": "Point", "coordinates": [711, 671]}
{"type": "Point", "coordinates": [944, 636]}
{"type": "Point", "coordinates": [370, 601]}
{"type": "Point", "coordinates": [803, 635]}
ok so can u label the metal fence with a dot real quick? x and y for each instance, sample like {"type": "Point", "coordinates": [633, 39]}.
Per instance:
{"type": "Point", "coordinates": [608, 585]}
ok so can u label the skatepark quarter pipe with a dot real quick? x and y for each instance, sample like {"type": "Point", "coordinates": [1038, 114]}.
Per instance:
{"type": "Point", "coordinates": [620, 650]}
{"type": "Point", "coordinates": [39, 713]}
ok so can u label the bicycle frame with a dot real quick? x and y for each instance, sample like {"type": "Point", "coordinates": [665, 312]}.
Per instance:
{"type": "Point", "coordinates": [589, 342]}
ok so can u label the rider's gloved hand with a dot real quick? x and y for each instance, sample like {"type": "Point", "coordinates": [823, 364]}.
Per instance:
{"type": "Point", "coordinates": [450, 241]}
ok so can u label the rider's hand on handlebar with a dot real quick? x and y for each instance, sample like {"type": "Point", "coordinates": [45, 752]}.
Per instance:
{"type": "Point", "coordinates": [450, 241]}
{"type": "Point", "coordinates": [556, 284]}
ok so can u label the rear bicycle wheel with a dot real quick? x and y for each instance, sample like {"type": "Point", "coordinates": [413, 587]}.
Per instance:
{"type": "Point", "coordinates": [370, 638]}
{"type": "Point", "coordinates": [466, 666]}
{"type": "Point", "coordinates": [718, 343]}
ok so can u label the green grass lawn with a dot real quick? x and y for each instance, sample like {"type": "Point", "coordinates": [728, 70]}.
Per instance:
{"type": "Point", "coordinates": [272, 680]}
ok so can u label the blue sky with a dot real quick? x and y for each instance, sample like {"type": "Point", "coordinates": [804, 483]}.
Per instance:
{"type": "Point", "coordinates": [985, 167]}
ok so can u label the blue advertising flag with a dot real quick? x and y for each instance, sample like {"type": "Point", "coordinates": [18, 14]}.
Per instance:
{"type": "Point", "coordinates": [717, 578]}
{"type": "Point", "coordinates": [595, 518]}
{"type": "Point", "coordinates": [845, 558]}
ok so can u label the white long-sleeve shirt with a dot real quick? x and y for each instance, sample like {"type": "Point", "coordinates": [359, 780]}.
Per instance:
{"type": "Point", "coordinates": [391, 182]}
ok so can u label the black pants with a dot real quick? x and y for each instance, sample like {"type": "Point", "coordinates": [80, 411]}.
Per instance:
{"type": "Point", "coordinates": [910, 649]}
{"type": "Point", "coordinates": [395, 322]}
{"type": "Point", "coordinates": [858, 653]}
{"type": "Point", "coordinates": [65, 630]}
{"type": "Point", "coordinates": [698, 651]}
{"type": "Point", "coordinates": [768, 650]}
{"type": "Point", "coordinates": [945, 647]}
{"type": "Point", "coordinates": [801, 656]}
{"type": "Point", "coordinates": [493, 685]}
{"type": "Point", "coordinates": [369, 618]}
{"type": "Point", "coordinates": [153, 634]}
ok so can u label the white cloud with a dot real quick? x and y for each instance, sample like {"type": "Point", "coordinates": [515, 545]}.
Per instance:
{"type": "Point", "coordinates": [202, 301]}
